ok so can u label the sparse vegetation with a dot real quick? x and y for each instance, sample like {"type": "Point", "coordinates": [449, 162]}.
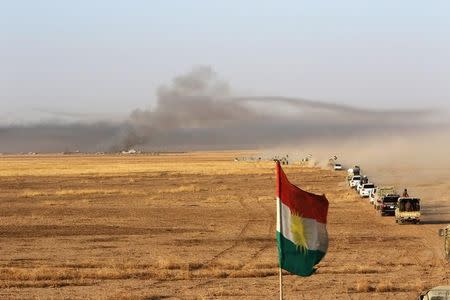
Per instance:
{"type": "Point", "coordinates": [193, 225]}
{"type": "Point", "coordinates": [184, 188]}
{"type": "Point", "coordinates": [363, 286]}
{"type": "Point", "coordinates": [79, 192]}
{"type": "Point", "coordinates": [385, 286]}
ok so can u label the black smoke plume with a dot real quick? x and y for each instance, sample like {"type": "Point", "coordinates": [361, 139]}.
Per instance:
{"type": "Point", "coordinates": [198, 110]}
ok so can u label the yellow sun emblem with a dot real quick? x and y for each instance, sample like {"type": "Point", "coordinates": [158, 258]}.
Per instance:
{"type": "Point", "coordinates": [298, 232]}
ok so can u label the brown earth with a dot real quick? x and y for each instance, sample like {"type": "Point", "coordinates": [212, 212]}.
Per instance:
{"type": "Point", "coordinates": [191, 226]}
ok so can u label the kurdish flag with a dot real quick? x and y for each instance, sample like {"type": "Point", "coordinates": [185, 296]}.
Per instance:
{"type": "Point", "coordinates": [301, 227]}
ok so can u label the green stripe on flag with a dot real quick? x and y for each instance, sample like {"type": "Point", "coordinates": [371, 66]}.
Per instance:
{"type": "Point", "coordinates": [296, 260]}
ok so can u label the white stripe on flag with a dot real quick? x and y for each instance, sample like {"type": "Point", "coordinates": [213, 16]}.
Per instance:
{"type": "Point", "coordinates": [315, 232]}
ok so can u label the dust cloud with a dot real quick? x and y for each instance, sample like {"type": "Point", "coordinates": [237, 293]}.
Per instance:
{"type": "Point", "coordinates": [200, 111]}
{"type": "Point", "coordinates": [418, 160]}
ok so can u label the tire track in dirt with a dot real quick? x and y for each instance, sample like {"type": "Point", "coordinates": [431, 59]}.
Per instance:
{"type": "Point", "coordinates": [271, 227]}
{"type": "Point", "coordinates": [233, 245]}
{"type": "Point", "coordinates": [255, 220]}
{"type": "Point", "coordinates": [252, 218]}
{"type": "Point", "coordinates": [228, 249]}
{"type": "Point", "coordinates": [238, 238]}
{"type": "Point", "coordinates": [430, 243]}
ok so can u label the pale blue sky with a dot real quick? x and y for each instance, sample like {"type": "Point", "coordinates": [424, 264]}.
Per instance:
{"type": "Point", "coordinates": [106, 58]}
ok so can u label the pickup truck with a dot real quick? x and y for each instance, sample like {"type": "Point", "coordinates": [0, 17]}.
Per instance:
{"type": "Point", "coordinates": [366, 190]}
{"type": "Point", "coordinates": [388, 205]}
{"type": "Point", "coordinates": [408, 210]}
{"type": "Point", "coordinates": [363, 180]}
{"type": "Point", "coordinates": [382, 191]}
{"type": "Point", "coordinates": [355, 171]}
{"type": "Point", "coordinates": [337, 167]}
{"type": "Point", "coordinates": [354, 181]}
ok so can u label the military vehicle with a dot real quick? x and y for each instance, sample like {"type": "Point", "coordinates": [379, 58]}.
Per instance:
{"type": "Point", "coordinates": [337, 167]}
{"type": "Point", "coordinates": [355, 171]}
{"type": "Point", "coordinates": [388, 205]}
{"type": "Point", "coordinates": [366, 190]}
{"type": "Point", "coordinates": [408, 210]}
{"type": "Point", "coordinates": [436, 293]}
{"type": "Point", "coordinates": [354, 181]}
{"type": "Point", "coordinates": [380, 193]}
{"type": "Point", "coordinates": [445, 233]}
{"type": "Point", "coordinates": [364, 179]}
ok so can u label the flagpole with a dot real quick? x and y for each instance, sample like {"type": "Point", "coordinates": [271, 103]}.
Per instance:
{"type": "Point", "coordinates": [281, 252]}
{"type": "Point", "coordinates": [281, 226]}
{"type": "Point", "coordinates": [281, 284]}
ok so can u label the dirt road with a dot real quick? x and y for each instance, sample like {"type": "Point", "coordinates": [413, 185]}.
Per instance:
{"type": "Point", "coordinates": [191, 226]}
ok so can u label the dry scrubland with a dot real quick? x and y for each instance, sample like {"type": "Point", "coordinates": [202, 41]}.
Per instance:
{"type": "Point", "coordinates": [191, 226]}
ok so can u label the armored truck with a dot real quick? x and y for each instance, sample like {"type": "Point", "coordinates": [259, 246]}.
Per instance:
{"type": "Point", "coordinates": [408, 210]}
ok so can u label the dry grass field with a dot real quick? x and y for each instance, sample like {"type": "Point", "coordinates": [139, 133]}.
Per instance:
{"type": "Point", "coordinates": [192, 226]}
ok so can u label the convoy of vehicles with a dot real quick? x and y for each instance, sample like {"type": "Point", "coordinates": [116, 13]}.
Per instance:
{"type": "Point", "coordinates": [385, 199]}
{"type": "Point", "coordinates": [406, 209]}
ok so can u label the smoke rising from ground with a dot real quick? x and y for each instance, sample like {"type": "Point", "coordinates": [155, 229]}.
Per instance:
{"type": "Point", "coordinates": [199, 110]}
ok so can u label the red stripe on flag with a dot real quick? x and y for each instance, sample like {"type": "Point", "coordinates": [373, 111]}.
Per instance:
{"type": "Point", "coordinates": [300, 202]}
